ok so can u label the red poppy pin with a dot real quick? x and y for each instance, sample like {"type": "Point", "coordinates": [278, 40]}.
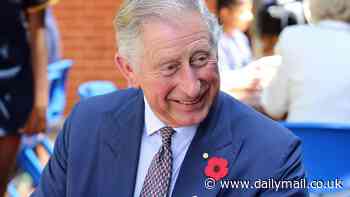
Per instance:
{"type": "Point", "coordinates": [217, 168]}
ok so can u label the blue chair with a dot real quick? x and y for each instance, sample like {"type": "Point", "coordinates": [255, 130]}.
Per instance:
{"type": "Point", "coordinates": [57, 73]}
{"type": "Point", "coordinates": [27, 159]}
{"type": "Point", "coordinates": [95, 88]}
{"type": "Point", "coordinates": [326, 152]}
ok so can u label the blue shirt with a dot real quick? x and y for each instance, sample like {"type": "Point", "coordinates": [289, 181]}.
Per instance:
{"type": "Point", "coordinates": [151, 142]}
{"type": "Point", "coordinates": [234, 51]}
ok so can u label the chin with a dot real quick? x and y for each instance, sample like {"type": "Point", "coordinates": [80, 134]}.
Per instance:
{"type": "Point", "coordinates": [191, 119]}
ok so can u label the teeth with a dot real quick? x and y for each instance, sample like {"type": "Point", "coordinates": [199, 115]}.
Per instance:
{"type": "Point", "coordinates": [189, 102]}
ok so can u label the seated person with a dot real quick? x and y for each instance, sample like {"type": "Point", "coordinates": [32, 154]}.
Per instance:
{"type": "Point", "coordinates": [311, 84]}
{"type": "Point", "coordinates": [23, 77]}
{"type": "Point", "coordinates": [272, 17]}
{"type": "Point", "coordinates": [246, 84]}
{"type": "Point", "coordinates": [234, 49]}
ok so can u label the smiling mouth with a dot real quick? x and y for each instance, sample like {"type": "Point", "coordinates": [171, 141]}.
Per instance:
{"type": "Point", "coordinates": [192, 102]}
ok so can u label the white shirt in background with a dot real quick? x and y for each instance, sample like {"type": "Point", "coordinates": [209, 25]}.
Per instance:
{"type": "Point", "coordinates": [313, 82]}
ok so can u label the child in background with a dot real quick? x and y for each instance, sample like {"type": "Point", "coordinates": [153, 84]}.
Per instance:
{"type": "Point", "coordinates": [234, 49]}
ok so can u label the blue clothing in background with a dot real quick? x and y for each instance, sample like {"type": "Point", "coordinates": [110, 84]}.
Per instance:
{"type": "Point", "coordinates": [52, 37]}
{"type": "Point", "coordinates": [234, 51]}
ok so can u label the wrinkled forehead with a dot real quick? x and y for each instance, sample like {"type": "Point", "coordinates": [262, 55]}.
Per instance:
{"type": "Point", "coordinates": [168, 30]}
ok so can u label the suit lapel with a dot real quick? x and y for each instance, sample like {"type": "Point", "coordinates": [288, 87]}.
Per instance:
{"type": "Point", "coordinates": [121, 133]}
{"type": "Point", "coordinates": [212, 137]}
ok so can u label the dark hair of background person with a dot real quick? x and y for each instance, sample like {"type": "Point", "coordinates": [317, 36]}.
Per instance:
{"type": "Point", "coordinates": [268, 24]}
{"type": "Point", "coordinates": [228, 3]}
{"type": "Point", "coordinates": [220, 4]}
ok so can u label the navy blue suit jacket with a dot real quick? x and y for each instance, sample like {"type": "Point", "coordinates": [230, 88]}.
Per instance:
{"type": "Point", "coordinates": [96, 154]}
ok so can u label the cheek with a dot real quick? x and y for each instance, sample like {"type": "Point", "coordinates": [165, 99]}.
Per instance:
{"type": "Point", "coordinates": [156, 96]}
{"type": "Point", "coordinates": [159, 93]}
{"type": "Point", "coordinates": [210, 73]}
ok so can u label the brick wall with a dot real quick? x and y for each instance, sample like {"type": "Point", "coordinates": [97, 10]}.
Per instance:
{"type": "Point", "coordinates": [88, 39]}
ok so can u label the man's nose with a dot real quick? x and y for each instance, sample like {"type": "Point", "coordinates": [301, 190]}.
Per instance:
{"type": "Point", "coordinates": [190, 83]}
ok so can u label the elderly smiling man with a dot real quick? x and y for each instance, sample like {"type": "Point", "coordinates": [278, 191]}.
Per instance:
{"type": "Point", "coordinates": [174, 133]}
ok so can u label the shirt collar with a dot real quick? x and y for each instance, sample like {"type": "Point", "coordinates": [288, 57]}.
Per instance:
{"type": "Point", "coordinates": [153, 123]}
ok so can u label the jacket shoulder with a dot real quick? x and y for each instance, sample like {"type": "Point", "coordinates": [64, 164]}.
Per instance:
{"type": "Point", "coordinates": [267, 145]}
{"type": "Point", "coordinates": [255, 125]}
{"type": "Point", "coordinates": [107, 102]}
{"type": "Point", "coordinates": [88, 114]}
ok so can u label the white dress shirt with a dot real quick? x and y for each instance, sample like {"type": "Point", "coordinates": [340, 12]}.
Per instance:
{"type": "Point", "coordinates": [313, 82]}
{"type": "Point", "coordinates": [152, 141]}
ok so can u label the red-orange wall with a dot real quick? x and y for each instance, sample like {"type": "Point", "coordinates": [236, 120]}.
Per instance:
{"type": "Point", "coordinates": [88, 39]}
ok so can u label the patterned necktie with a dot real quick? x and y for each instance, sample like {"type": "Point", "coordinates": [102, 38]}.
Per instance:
{"type": "Point", "coordinates": [158, 177]}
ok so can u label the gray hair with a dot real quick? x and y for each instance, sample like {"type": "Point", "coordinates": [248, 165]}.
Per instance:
{"type": "Point", "coordinates": [329, 9]}
{"type": "Point", "coordinates": [134, 13]}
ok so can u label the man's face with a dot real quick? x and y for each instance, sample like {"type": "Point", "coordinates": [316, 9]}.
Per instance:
{"type": "Point", "coordinates": [178, 72]}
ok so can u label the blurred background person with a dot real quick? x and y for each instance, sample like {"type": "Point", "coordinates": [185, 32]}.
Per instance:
{"type": "Point", "coordinates": [23, 77]}
{"type": "Point", "coordinates": [234, 49]}
{"type": "Point", "coordinates": [312, 83]}
{"type": "Point", "coordinates": [272, 17]}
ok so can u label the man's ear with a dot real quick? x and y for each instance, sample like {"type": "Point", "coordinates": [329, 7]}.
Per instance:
{"type": "Point", "coordinates": [128, 72]}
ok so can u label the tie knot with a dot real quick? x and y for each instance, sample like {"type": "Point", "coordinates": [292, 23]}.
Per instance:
{"type": "Point", "coordinates": [166, 133]}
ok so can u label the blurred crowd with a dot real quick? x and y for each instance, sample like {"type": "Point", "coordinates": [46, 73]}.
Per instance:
{"type": "Point", "coordinates": [300, 71]}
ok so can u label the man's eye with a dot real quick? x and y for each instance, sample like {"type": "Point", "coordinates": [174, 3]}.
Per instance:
{"type": "Point", "coordinates": [169, 69]}
{"type": "Point", "coordinates": [200, 60]}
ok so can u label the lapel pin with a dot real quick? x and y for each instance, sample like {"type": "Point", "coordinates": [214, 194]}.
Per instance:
{"type": "Point", "coordinates": [205, 155]}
